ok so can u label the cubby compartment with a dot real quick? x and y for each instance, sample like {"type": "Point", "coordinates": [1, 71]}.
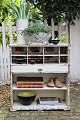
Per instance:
{"type": "Point", "coordinates": [63, 59]}
{"type": "Point", "coordinates": [19, 50]}
{"type": "Point", "coordinates": [51, 50]}
{"type": "Point", "coordinates": [35, 59]}
{"type": "Point", "coordinates": [35, 50]}
{"type": "Point", "coordinates": [63, 50]}
{"type": "Point", "coordinates": [19, 60]}
{"type": "Point", "coordinates": [51, 59]}
{"type": "Point", "coordinates": [60, 95]}
{"type": "Point", "coordinates": [63, 77]}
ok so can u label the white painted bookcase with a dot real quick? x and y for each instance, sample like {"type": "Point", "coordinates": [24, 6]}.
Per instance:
{"type": "Point", "coordinates": [49, 61]}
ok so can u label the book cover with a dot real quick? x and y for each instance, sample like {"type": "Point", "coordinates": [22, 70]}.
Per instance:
{"type": "Point", "coordinates": [29, 83]}
{"type": "Point", "coordinates": [29, 86]}
{"type": "Point", "coordinates": [39, 79]}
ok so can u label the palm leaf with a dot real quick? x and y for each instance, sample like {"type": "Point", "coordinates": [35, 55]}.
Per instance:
{"type": "Point", "coordinates": [16, 12]}
{"type": "Point", "coordinates": [27, 9]}
{"type": "Point", "coordinates": [17, 9]}
{"type": "Point", "coordinates": [22, 10]}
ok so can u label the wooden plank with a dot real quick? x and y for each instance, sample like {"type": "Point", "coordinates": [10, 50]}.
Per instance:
{"type": "Point", "coordinates": [10, 31]}
{"type": "Point", "coordinates": [73, 54]}
{"type": "Point", "coordinates": [47, 68]}
{"type": "Point", "coordinates": [8, 63]}
{"type": "Point", "coordinates": [1, 64]}
{"type": "Point", "coordinates": [74, 51]}
{"type": "Point", "coordinates": [52, 26]}
{"type": "Point", "coordinates": [66, 33]}
{"type": "Point", "coordinates": [59, 31]}
{"type": "Point", "coordinates": [44, 88]}
{"type": "Point", "coordinates": [4, 50]}
{"type": "Point", "coordinates": [7, 29]}
{"type": "Point", "coordinates": [35, 106]}
{"type": "Point", "coordinates": [45, 23]}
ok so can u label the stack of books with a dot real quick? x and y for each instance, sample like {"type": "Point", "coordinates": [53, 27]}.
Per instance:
{"type": "Point", "coordinates": [48, 100]}
{"type": "Point", "coordinates": [30, 82]}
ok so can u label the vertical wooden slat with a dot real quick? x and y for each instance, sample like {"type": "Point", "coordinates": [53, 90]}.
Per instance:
{"type": "Point", "coordinates": [4, 50]}
{"type": "Point", "coordinates": [66, 33]}
{"type": "Point", "coordinates": [1, 64]}
{"type": "Point", "coordinates": [10, 30]}
{"type": "Point", "coordinates": [8, 63]}
{"type": "Point", "coordinates": [45, 23]}
{"type": "Point", "coordinates": [52, 26]}
{"type": "Point", "coordinates": [73, 54]}
{"type": "Point", "coordinates": [59, 31]}
{"type": "Point", "coordinates": [59, 55]}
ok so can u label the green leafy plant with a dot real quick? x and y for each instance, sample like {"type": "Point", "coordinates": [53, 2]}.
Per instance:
{"type": "Point", "coordinates": [63, 39]}
{"type": "Point", "coordinates": [35, 29]}
{"type": "Point", "coordinates": [56, 38]}
{"type": "Point", "coordinates": [21, 11]}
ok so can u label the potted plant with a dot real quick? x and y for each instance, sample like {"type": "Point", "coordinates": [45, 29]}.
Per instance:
{"type": "Point", "coordinates": [36, 33]}
{"type": "Point", "coordinates": [22, 13]}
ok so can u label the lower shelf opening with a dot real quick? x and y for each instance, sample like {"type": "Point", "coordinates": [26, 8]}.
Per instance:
{"type": "Point", "coordinates": [36, 106]}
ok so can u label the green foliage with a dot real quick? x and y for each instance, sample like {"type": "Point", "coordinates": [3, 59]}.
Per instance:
{"type": "Point", "coordinates": [35, 14]}
{"type": "Point", "coordinates": [63, 39]}
{"type": "Point", "coordinates": [59, 10]}
{"type": "Point", "coordinates": [7, 14]}
{"type": "Point", "coordinates": [21, 11]}
{"type": "Point", "coordinates": [35, 29]}
{"type": "Point", "coordinates": [7, 38]}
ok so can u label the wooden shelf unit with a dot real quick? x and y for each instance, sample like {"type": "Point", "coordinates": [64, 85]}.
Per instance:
{"type": "Point", "coordinates": [41, 61]}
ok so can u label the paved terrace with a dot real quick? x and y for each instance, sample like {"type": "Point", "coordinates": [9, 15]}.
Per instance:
{"type": "Point", "coordinates": [73, 114]}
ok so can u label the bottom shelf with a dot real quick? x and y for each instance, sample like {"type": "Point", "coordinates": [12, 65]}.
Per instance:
{"type": "Point", "coordinates": [35, 106]}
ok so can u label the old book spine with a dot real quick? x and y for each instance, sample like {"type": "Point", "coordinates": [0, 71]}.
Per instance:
{"type": "Point", "coordinates": [29, 86]}
{"type": "Point", "coordinates": [29, 83]}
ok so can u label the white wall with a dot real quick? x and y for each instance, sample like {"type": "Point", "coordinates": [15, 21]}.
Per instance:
{"type": "Point", "coordinates": [75, 52]}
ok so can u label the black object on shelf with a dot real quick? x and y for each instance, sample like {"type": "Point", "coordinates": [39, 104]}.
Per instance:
{"type": "Point", "coordinates": [19, 60]}
{"type": "Point", "coordinates": [55, 41]}
{"type": "Point", "coordinates": [26, 98]}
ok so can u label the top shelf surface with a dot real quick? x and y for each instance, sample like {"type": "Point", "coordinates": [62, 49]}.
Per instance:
{"type": "Point", "coordinates": [40, 45]}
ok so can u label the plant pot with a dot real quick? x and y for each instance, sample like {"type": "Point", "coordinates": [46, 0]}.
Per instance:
{"type": "Point", "coordinates": [41, 37]}
{"type": "Point", "coordinates": [21, 24]}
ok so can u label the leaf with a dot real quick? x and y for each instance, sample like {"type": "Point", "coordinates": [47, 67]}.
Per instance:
{"type": "Point", "coordinates": [17, 9]}
{"type": "Point", "coordinates": [13, 10]}
{"type": "Point", "coordinates": [23, 8]}
{"type": "Point", "coordinates": [27, 9]}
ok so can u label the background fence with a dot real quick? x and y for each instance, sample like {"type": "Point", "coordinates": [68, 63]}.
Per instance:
{"type": "Point", "coordinates": [5, 56]}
